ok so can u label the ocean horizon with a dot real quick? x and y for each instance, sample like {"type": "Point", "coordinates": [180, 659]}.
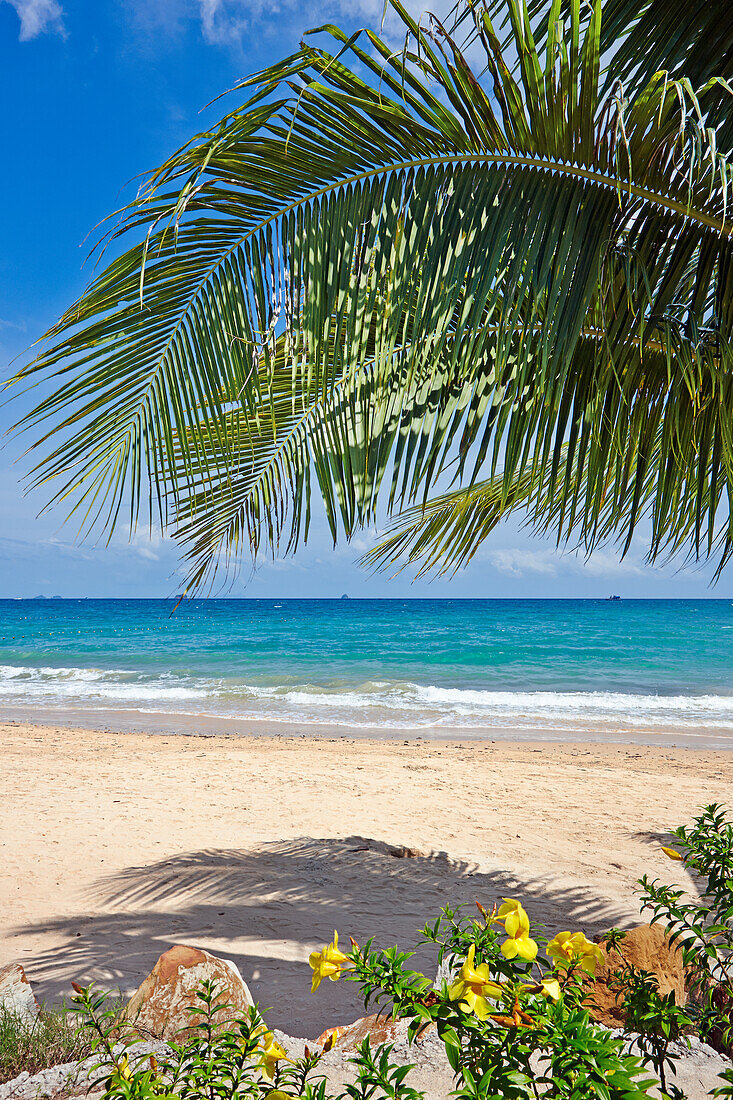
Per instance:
{"type": "Point", "coordinates": [628, 670]}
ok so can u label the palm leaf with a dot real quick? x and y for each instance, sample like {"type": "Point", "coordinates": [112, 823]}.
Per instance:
{"type": "Point", "coordinates": [381, 266]}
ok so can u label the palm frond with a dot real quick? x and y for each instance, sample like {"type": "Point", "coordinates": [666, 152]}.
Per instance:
{"type": "Point", "coordinates": [380, 266]}
{"type": "Point", "coordinates": [689, 40]}
{"type": "Point", "coordinates": [442, 536]}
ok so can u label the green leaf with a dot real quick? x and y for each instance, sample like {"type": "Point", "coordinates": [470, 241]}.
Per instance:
{"type": "Point", "coordinates": [389, 268]}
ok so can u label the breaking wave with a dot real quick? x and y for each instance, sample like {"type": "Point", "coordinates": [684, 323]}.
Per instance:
{"type": "Point", "coordinates": [373, 704]}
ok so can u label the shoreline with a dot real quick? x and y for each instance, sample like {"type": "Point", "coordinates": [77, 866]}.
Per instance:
{"type": "Point", "coordinates": [478, 669]}
{"type": "Point", "coordinates": [117, 845]}
{"type": "Point", "coordinates": [181, 724]}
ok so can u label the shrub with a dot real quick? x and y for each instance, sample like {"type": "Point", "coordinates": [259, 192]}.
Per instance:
{"type": "Point", "coordinates": [652, 1020]}
{"type": "Point", "coordinates": [703, 928]}
{"type": "Point", "coordinates": [513, 1019]}
{"type": "Point", "coordinates": [222, 1057]}
{"type": "Point", "coordinates": [513, 1026]}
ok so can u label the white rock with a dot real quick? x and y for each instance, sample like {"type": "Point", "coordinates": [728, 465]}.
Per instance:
{"type": "Point", "coordinates": [697, 1069]}
{"type": "Point", "coordinates": [445, 973]}
{"type": "Point", "coordinates": [16, 994]}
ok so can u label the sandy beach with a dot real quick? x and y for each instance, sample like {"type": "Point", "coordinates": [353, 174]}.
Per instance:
{"type": "Point", "coordinates": [117, 845]}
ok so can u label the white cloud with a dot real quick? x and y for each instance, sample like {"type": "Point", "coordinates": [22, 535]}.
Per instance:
{"type": "Point", "coordinates": [148, 553]}
{"type": "Point", "coordinates": [601, 564]}
{"type": "Point", "coordinates": [517, 562]}
{"type": "Point", "coordinates": [38, 16]}
{"type": "Point", "coordinates": [230, 23]}
{"type": "Point", "coordinates": [150, 546]}
{"type": "Point", "coordinates": [223, 23]}
{"type": "Point", "coordinates": [281, 565]}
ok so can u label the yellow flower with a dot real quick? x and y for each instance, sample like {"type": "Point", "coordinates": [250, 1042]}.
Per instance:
{"type": "Point", "coordinates": [567, 948]}
{"type": "Point", "coordinates": [473, 986]}
{"type": "Point", "coordinates": [672, 853]}
{"type": "Point", "coordinates": [514, 916]}
{"type": "Point", "coordinates": [516, 924]}
{"type": "Point", "coordinates": [124, 1069]}
{"type": "Point", "coordinates": [327, 963]}
{"type": "Point", "coordinates": [551, 989]}
{"type": "Point", "coordinates": [271, 1053]}
{"type": "Point", "coordinates": [278, 1094]}
{"type": "Point", "coordinates": [561, 948]}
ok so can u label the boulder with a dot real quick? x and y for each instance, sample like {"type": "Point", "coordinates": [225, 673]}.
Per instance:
{"type": "Point", "coordinates": [158, 1007]}
{"type": "Point", "coordinates": [647, 948]}
{"type": "Point", "coordinates": [16, 994]}
{"type": "Point", "coordinates": [378, 1029]}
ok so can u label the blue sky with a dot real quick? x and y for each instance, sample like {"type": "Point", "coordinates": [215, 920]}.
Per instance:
{"type": "Point", "coordinates": [94, 93]}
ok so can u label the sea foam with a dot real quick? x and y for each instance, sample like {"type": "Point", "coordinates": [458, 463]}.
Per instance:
{"type": "Point", "coordinates": [373, 704]}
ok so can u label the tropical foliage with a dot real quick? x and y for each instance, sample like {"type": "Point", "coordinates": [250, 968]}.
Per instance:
{"type": "Point", "coordinates": [702, 926]}
{"type": "Point", "coordinates": [508, 1033]}
{"type": "Point", "coordinates": [514, 1015]}
{"type": "Point", "coordinates": [507, 271]}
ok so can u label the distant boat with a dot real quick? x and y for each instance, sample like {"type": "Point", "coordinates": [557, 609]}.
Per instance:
{"type": "Point", "coordinates": [344, 597]}
{"type": "Point", "coordinates": [614, 599]}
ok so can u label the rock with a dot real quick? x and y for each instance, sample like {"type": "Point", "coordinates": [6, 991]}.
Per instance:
{"type": "Point", "coordinates": [158, 1007]}
{"type": "Point", "coordinates": [699, 1067]}
{"type": "Point", "coordinates": [16, 994]}
{"type": "Point", "coordinates": [446, 972]}
{"type": "Point", "coordinates": [397, 851]}
{"type": "Point", "coordinates": [72, 1079]}
{"type": "Point", "coordinates": [697, 1070]}
{"type": "Point", "coordinates": [378, 1029]}
{"type": "Point", "coordinates": [647, 948]}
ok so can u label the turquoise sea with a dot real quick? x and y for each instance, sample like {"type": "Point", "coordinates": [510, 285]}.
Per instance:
{"type": "Point", "coordinates": [629, 670]}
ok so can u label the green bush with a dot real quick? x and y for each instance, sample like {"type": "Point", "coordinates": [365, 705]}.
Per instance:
{"type": "Point", "coordinates": [702, 927]}
{"type": "Point", "coordinates": [512, 1025]}
{"type": "Point", "coordinates": [222, 1057]}
{"type": "Point", "coordinates": [652, 1020]}
{"type": "Point", "coordinates": [513, 1020]}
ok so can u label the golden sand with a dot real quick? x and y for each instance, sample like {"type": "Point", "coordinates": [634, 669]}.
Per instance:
{"type": "Point", "coordinates": [115, 846]}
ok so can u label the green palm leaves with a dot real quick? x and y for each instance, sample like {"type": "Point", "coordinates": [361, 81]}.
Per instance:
{"type": "Point", "coordinates": [382, 271]}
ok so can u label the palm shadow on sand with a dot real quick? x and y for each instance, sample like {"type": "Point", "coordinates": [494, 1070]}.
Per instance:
{"type": "Point", "coordinates": [268, 906]}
